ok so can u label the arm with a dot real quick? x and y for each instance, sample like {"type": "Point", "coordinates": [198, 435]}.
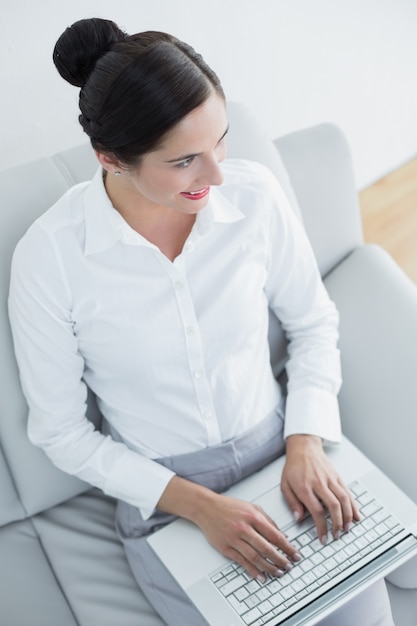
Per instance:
{"type": "Point", "coordinates": [310, 321]}
{"type": "Point", "coordinates": [51, 369]}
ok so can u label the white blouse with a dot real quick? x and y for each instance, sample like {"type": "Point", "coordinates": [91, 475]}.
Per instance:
{"type": "Point", "coordinates": [176, 352]}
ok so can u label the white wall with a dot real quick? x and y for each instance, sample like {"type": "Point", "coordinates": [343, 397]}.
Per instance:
{"type": "Point", "coordinates": [294, 62]}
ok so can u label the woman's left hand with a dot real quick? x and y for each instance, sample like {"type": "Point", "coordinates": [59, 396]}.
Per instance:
{"type": "Point", "coordinates": [310, 481]}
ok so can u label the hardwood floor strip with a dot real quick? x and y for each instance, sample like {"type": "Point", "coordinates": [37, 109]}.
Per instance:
{"type": "Point", "coordinates": [389, 215]}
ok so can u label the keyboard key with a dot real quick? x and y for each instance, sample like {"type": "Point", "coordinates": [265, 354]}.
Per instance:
{"type": "Point", "coordinates": [303, 539]}
{"type": "Point", "coordinates": [276, 599]}
{"type": "Point", "coordinates": [370, 509]}
{"type": "Point", "coordinates": [330, 564]}
{"type": "Point", "coordinates": [232, 585]}
{"type": "Point", "coordinates": [365, 498]}
{"type": "Point", "coordinates": [241, 594]}
{"type": "Point", "coordinates": [217, 577]}
{"type": "Point", "coordinates": [317, 558]}
{"type": "Point", "coordinates": [309, 578]}
{"type": "Point", "coordinates": [306, 551]}
{"type": "Point", "coordinates": [251, 601]}
{"type": "Point", "coordinates": [357, 489]}
{"type": "Point", "coordinates": [263, 594]}
{"type": "Point", "coordinates": [252, 586]}
{"type": "Point", "coordinates": [274, 586]}
{"type": "Point", "coordinates": [265, 607]}
{"type": "Point", "coordinates": [239, 607]}
{"type": "Point", "coordinates": [251, 616]}
{"type": "Point", "coordinates": [327, 551]}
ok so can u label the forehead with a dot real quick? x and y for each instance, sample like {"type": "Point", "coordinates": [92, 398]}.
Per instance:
{"type": "Point", "coordinates": [204, 125]}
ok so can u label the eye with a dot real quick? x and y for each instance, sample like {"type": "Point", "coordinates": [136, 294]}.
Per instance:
{"type": "Point", "coordinates": [185, 163]}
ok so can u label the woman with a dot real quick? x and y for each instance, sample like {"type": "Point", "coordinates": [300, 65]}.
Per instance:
{"type": "Point", "coordinates": [151, 284]}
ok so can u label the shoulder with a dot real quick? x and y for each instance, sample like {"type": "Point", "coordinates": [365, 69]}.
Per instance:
{"type": "Point", "coordinates": [64, 219]}
{"type": "Point", "coordinates": [66, 212]}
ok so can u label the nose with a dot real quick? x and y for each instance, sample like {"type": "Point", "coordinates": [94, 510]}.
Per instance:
{"type": "Point", "coordinates": [211, 172]}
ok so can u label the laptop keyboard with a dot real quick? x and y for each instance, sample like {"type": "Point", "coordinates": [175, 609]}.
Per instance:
{"type": "Point", "coordinates": [258, 603]}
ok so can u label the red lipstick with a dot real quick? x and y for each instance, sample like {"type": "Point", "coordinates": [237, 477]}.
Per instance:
{"type": "Point", "coordinates": [196, 195]}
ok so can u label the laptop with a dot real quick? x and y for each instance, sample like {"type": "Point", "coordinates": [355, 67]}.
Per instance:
{"type": "Point", "coordinates": [326, 578]}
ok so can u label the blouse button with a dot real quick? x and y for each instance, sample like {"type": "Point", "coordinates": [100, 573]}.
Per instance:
{"type": "Point", "coordinates": [198, 374]}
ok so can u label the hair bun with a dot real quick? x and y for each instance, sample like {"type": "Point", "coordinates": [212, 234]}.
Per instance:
{"type": "Point", "coordinates": [81, 45]}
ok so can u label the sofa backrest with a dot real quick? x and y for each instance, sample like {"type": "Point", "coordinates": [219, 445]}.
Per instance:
{"type": "Point", "coordinates": [29, 483]}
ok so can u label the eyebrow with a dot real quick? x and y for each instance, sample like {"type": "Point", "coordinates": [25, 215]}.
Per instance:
{"type": "Point", "coordinates": [189, 156]}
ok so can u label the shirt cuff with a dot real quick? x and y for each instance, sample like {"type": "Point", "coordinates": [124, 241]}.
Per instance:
{"type": "Point", "coordinates": [313, 411]}
{"type": "Point", "coordinates": [139, 481]}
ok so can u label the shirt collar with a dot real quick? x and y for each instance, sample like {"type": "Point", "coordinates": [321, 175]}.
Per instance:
{"type": "Point", "coordinates": [100, 233]}
{"type": "Point", "coordinates": [104, 226]}
{"type": "Point", "coordinates": [218, 210]}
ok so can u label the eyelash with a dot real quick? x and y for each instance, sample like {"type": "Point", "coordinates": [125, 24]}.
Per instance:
{"type": "Point", "coordinates": [184, 164]}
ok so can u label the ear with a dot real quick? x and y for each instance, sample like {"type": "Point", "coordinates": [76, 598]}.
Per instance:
{"type": "Point", "coordinates": [108, 162]}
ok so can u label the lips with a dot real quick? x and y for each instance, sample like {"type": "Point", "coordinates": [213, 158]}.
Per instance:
{"type": "Point", "coordinates": [196, 195]}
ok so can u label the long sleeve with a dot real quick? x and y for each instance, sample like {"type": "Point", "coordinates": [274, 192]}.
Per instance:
{"type": "Point", "coordinates": [52, 369]}
{"type": "Point", "coordinates": [310, 321]}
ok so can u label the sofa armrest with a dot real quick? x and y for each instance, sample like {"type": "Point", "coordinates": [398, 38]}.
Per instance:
{"type": "Point", "coordinates": [378, 341]}
{"type": "Point", "coordinates": [319, 164]}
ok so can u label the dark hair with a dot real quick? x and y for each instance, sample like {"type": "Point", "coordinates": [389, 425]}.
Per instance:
{"type": "Point", "coordinates": [134, 89]}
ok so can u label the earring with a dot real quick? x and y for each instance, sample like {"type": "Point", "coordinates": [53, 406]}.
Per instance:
{"type": "Point", "coordinates": [117, 173]}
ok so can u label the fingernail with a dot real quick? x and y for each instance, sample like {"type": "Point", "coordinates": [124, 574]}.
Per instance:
{"type": "Point", "coordinates": [288, 566]}
{"type": "Point", "coordinates": [279, 573]}
{"type": "Point", "coordinates": [296, 516]}
{"type": "Point", "coordinates": [324, 539]}
{"type": "Point", "coordinates": [261, 579]}
{"type": "Point", "coordinates": [348, 526]}
{"type": "Point", "coordinates": [336, 534]}
{"type": "Point", "coordinates": [296, 557]}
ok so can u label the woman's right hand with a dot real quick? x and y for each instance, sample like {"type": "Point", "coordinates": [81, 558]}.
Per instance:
{"type": "Point", "coordinates": [244, 533]}
{"type": "Point", "coordinates": [241, 531]}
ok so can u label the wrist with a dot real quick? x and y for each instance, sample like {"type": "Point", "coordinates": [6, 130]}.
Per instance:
{"type": "Point", "coordinates": [303, 441]}
{"type": "Point", "coordinates": [186, 499]}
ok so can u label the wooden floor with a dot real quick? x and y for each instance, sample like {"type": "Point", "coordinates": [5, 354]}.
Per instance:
{"type": "Point", "coordinates": [389, 215]}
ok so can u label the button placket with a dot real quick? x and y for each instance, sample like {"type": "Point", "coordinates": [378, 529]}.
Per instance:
{"type": "Point", "coordinates": [195, 357]}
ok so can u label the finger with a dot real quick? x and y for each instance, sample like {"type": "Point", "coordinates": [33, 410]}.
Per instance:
{"type": "Point", "coordinates": [355, 508]}
{"type": "Point", "coordinates": [270, 538]}
{"type": "Point", "coordinates": [258, 573]}
{"type": "Point", "coordinates": [317, 511]}
{"type": "Point", "coordinates": [349, 509]}
{"type": "Point", "coordinates": [338, 505]}
{"type": "Point", "coordinates": [296, 506]}
{"type": "Point", "coordinates": [265, 558]}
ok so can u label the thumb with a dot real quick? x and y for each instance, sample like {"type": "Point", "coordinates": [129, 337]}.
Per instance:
{"type": "Point", "coordinates": [293, 502]}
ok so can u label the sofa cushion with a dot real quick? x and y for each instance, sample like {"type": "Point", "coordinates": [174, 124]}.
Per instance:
{"type": "Point", "coordinates": [88, 561]}
{"type": "Point", "coordinates": [403, 605]}
{"type": "Point", "coordinates": [378, 341]}
{"type": "Point", "coordinates": [29, 593]}
{"type": "Point", "coordinates": [10, 506]}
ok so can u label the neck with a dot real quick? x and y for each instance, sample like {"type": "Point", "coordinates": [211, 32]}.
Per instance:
{"type": "Point", "coordinates": [163, 226]}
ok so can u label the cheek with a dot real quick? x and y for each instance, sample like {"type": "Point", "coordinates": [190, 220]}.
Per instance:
{"type": "Point", "coordinates": [161, 185]}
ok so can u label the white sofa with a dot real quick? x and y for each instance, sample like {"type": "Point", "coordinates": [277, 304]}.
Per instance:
{"type": "Point", "coordinates": [60, 561]}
